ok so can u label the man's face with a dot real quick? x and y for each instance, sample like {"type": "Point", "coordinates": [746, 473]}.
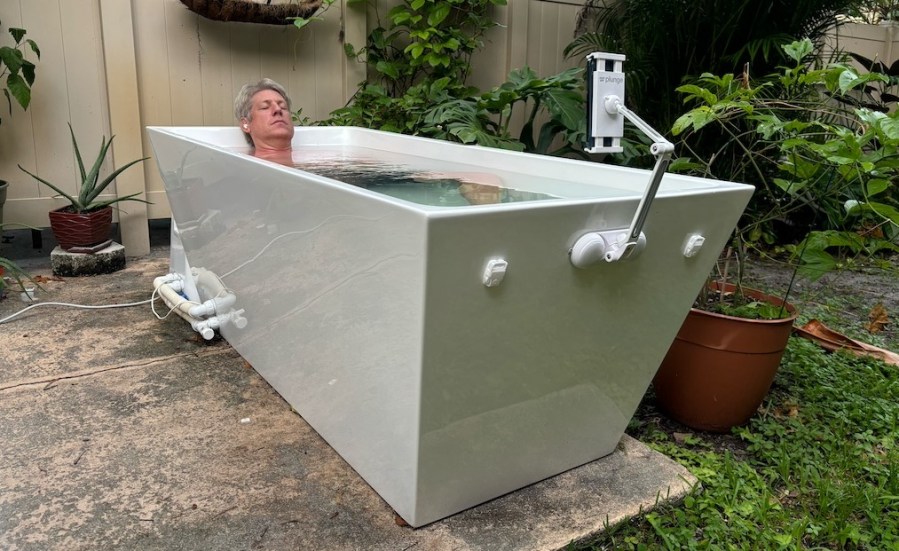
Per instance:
{"type": "Point", "coordinates": [269, 124]}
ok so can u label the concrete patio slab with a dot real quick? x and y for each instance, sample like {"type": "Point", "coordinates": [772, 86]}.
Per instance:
{"type": "Point", "coordinates": [122, 431]}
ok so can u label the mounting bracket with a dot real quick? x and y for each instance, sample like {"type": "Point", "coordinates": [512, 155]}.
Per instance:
{"type": "Point", "coordinates": [605, 127]}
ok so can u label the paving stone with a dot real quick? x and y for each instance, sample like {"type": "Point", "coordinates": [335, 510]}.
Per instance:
{"type": "Point", "coordinates": [105, 261]}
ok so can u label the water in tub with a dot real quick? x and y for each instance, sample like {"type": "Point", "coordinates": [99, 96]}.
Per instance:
{"type": "Point", "coordinates": [426, 182]}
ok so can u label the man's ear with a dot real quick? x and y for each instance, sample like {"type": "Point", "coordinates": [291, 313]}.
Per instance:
{"type": "Point", "coordinates": [245, 125]}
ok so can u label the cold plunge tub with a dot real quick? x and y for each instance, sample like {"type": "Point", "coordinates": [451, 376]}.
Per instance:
{"type": "Point", "coordinates": [372, 315]}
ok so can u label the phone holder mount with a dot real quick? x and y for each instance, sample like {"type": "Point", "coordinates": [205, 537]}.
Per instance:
{"type": "Point", "coordinates": [605, 127]}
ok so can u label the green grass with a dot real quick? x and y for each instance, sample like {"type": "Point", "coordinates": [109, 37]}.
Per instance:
{"type": "Point", "coordinates": [817, 468]}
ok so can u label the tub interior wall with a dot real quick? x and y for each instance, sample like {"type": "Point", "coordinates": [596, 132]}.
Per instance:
{"type": "Point", "coordinates": [564, 178]}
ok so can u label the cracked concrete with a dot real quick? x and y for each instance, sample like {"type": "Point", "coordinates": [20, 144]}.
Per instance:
{"type": "Point", "coordinates": [122, 431]}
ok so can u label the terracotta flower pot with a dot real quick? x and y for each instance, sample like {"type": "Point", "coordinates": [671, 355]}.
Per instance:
{"type": "Point", "coordinates": [719, 368]}
{"type": "Point", "coordinates": [81, 229]}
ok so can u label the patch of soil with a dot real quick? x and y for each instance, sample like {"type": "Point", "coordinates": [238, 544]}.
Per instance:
{"type": "Point", "coordinates": [849, 298]}
{"type": "Point", "coordinates": [648, 419]}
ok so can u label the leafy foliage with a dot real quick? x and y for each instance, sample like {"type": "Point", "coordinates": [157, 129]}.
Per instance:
{"type": "Point", "coordinates": [815, 469]}
{"type": "Point", "coordinates": [17, 70]}
{"type": "Point", "coordinates": [666, 42]}
{"type": "Point", "coordinates": [485, 119]}
{"type": "Point", "coordinates": [419, 63]}
{"type": "Point", "coordinates": [420, 56]}
{"type": "Point", "coordinates": [824, 167]}
{"type": "Point", "coordinates": [91, 186]}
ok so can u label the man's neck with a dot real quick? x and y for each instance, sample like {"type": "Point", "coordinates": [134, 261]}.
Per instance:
{"type": "Point", "coordinates": [280, 155]}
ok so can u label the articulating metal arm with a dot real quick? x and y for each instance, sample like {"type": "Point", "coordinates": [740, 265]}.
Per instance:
{"type": "Point", "coordinates": [605, 118]}
{"type": "Point", "coordinates": [661, 149]}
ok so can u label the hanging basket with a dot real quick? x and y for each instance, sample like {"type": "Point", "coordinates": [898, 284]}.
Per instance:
{"type": "Point", "coordinates": [245, 11]}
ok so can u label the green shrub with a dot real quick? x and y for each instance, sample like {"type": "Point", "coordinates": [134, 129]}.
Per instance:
{"type": "Point", "coordinates": [820, 163]}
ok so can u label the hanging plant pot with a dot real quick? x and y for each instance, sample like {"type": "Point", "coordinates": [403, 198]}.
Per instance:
{"type": "Point", "coordinates": [245, 11]}
{"type": "Point", "coordinates": [719, 368]}
{"type": "Point", "coordinates": [84, 230]}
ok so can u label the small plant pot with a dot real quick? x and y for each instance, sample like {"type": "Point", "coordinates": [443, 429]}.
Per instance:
{"type": "Point", "coordinates": [84, 229]}
{"type": "Point", "coordinates": [720, 368]}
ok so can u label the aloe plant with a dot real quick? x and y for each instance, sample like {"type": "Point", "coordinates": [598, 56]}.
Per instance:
{"type": "Point", "coordinates": [91, 186]}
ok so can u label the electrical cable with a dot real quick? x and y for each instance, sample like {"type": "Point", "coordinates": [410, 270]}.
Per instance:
{"type": "Point", "coordinates": [82, 306]}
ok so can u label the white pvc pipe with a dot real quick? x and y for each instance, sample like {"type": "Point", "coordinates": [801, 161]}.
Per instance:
{"type": "Point", "coordinates": [206, 283]}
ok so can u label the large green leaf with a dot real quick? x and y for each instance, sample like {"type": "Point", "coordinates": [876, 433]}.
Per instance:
{"type": "Point", "coordinates": [12, 58]}
{"type": "Point", "coordinates": [695, 119]}
{"type": "Point", "coordinates": [438, 14]}
{"type": "Point", "coordinates": [565, 105]}
{"type": "Point", "coordinates": [876, 186]}
{"type": "Point", "coordinates": [19, 89]}
{"type": "Point", "coordinates": [886, 211]}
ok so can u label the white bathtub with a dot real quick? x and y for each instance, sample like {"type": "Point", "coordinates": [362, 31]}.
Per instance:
{"type": "Point", "coordinates": [370, 314]}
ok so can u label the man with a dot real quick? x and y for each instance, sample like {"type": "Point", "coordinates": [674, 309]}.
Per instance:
{"type": "Point", "coordinates": [263, 112]}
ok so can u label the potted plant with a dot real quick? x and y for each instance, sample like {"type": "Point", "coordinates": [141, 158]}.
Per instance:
{"type": "Point", "coordinates": [724, 358]}
{"type": "Point", "coordinates": [825, 177]}
{"type": "Point", "coordinates": [84, 225]}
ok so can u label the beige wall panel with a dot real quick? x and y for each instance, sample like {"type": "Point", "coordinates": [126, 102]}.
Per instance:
{"type": "Point", "coordinates": [124, 120]}
{"type": "Point", "coordinates": [277, 58]}
{"type": "Point", "coordinates": [490, 67]}
{"type": "Point", "coordinates": [214, 58]}
{"type": "Point", "coordinates": [245, 65]}
{"type": "Point", "coordinates": [85, 78]}
{"type": "Point", "coordinates": [16, 135]}
{"type": "Point", "coordinates": [206, 62]}
{"type": "Point", "coordinates": [329, 63]}
{"type": "Point", "coordinates": [151, 50]}
{"type": "Point", "coordinates": [49, 102]}
{"type": "Point", "coordinates": [518, 21]}
{"type": "Point", "coordinates": [880, 42]}
{"type": "Point", "coordinates": [546, 57]}
{"type": "Point", "coordinates": [300, 79]}
{"type": "Point", "coordinates": [185, 76]}
{"type": "Point", "coordinates": [355, 32]}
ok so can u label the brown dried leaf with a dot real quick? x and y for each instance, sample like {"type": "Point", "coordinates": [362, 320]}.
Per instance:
{"type": "Point", "coordinates": [878, 318]}
{"type": "Point", "coordinates": [787, 410]}
{"type": "Point", "coordinates": [399, 521]}
{"type": "Point", "coordinates": [45, 279]}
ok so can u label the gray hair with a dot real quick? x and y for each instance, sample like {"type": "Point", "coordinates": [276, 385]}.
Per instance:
{"type": "Point", "coordinates": [243, 103]}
